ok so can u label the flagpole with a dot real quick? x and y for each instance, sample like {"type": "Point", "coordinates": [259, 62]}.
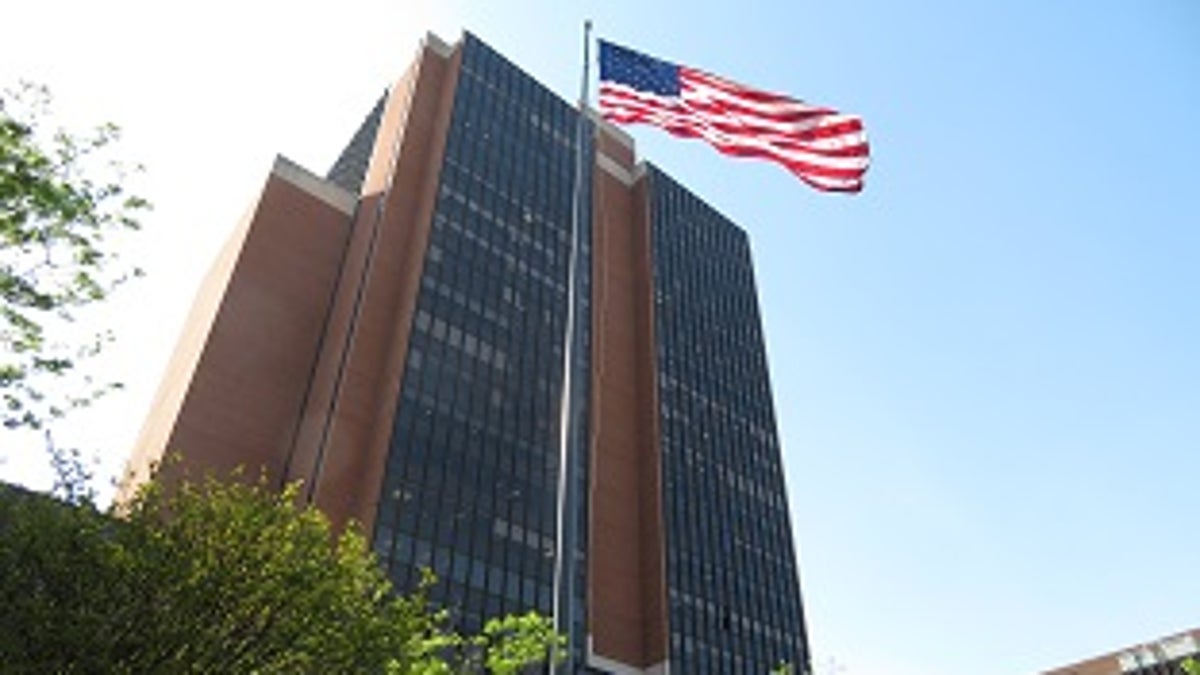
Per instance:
{"type": "Point", "coordinates": [567, 525]}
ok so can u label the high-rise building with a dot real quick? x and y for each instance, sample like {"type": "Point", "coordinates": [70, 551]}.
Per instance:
{"type": "Point", "coordinates": [393, 335]}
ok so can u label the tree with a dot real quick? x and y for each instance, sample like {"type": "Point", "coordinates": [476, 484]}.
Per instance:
{"type": "Point", "coordinates": [61, 206]}
{"type": "Point", "coordinates": [1191, 666]}
{"type": "Point", "coordinates": [221, 577]}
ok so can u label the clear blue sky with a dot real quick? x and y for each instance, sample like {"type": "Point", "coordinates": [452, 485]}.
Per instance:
{"type": "Point", "coordinates": [986, 366]}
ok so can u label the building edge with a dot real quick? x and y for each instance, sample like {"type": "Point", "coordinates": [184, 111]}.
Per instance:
{"type": "Point", "coordinates": [288, 191]}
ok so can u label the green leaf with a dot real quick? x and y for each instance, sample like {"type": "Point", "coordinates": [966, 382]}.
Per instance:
{"type": "Point", "coordinates": [62, 201]}
{"type": "Point", "coordinates": [211, 576]}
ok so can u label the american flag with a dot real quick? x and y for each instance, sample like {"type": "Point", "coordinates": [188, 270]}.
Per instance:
{"type": "Point", "coordinates": [824, 148]}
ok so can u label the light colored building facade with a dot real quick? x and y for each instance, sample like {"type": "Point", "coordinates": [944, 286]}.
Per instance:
{"type": "Point", "coordinates": [1164, 656]}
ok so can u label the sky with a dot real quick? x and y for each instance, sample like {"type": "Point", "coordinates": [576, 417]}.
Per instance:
{"type": "Point", "coordinates": [986, 366]}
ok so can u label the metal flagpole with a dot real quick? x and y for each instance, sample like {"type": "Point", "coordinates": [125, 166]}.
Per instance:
{"type": "Point", "coordinates": [567, 535]}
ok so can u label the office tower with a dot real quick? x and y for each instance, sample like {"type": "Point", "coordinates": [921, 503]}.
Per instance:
{"type": "Point", "coordinates": [393, 335]}
{"type": "Point", "coordinates": [1164, 656]}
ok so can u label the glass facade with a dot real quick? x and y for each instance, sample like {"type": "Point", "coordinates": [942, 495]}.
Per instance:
{"type": "Point", "coordinates": [351, 166]}
{"type": "Point", "coordinates": [471, 477]}
{"type": "Point", "coordinates": [734, 594]}
{"type": "Point", "coordinates": [472, 470]}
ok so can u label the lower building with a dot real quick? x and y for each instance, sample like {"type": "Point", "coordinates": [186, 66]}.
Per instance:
{"type": "Point", "coordinates": [394, 335]}
{"type": "Point", "coordinates": [1164, 656]}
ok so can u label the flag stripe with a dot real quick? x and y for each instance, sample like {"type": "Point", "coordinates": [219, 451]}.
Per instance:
{"type": "Point", "coordinates": [832, 141]}
{"type": "Point", "coordinates": [766, 104]}
{"type": "Point", "coordinates": [676, 117]}
{"type": "Point", "coordinates": [824, 148]}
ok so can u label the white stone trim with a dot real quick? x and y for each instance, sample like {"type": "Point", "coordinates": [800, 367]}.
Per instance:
{"type": "Point", "coordinates": [610, 166]}
{"type": "Point", "coordinates": [614, 667]}
{"type": "Point", "coordinates": [438, 45]}
{"type": "Point", "coordinates": [618, 134]}
{"type": "Point", "coordinates": [326, 191]}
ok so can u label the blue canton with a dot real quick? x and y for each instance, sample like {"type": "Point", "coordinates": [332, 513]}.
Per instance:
{"type": "Point", "coordinates": [644, 73]}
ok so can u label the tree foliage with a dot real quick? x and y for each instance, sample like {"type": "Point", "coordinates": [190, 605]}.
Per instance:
{"type": "Point", "coordinates": [221, 577]}
{"type": "Point", "coordinates": [62, 203]}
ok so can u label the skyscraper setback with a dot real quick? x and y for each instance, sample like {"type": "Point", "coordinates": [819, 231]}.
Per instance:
{"type": "Point", "coordinates": [392, 335]}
